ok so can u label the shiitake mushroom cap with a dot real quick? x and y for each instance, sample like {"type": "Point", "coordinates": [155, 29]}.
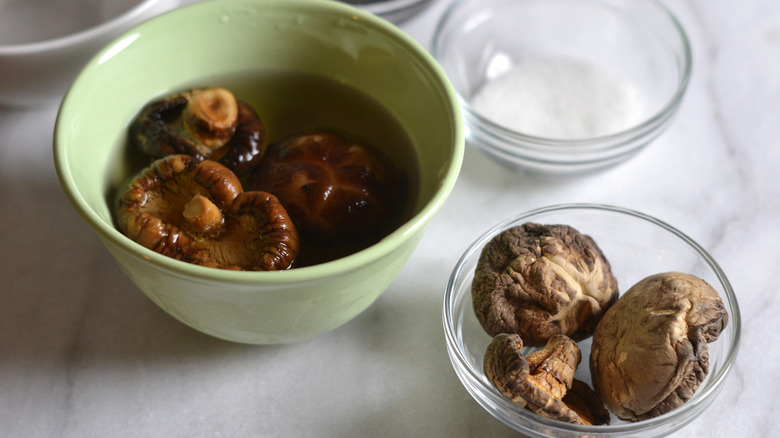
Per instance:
{"type": "Point", "coordinates": [541, 280]}
{"type": "Point", "coordinates": [162, 209]}
{"type": "Point", "coordinates": [543, 381]}
{"type": "Point", "coordinates": [649, 352]}
{"type": "Point", "coordinates": [206, 123]}
{"type": "Point", "coordinates": [335, 188]}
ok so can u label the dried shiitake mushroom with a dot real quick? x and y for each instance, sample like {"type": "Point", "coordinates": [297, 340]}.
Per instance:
{"type": "Point", "coordinates": [649, 351]}
{"type": "Point", "coordinates": [542, 380]}
{"type": "Point", "coordinates": [206, 123]}
{"type": "Point", "coordinates": [335, 189]}
{"type": "Point", "coordinates": [196, 211]}
{"type": "Point", "coordinates": [542, 280]}
{"type": "Point", "coordinates": [583, 400]}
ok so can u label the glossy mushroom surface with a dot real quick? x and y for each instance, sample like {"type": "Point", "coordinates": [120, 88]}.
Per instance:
{"type": "Point", "coordinates": [206, 123]}
{"type": "Point", "coordinates": [336, 189]}
{"type": "Point", "coordinates": [196, 211]}
{"type": "Point", "coordinates": [649, 352]}
{"type": "Point", "coordinates": [244, 150]}
{"type": "Point", "coordinates": [542, 280]}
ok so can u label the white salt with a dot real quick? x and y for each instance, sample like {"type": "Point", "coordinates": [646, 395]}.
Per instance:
{"type": "Point", "coordinates": [560, 99]}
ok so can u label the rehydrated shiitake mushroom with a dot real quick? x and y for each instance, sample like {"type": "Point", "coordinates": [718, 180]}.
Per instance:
{"type": "Point", "coordinates": [206, 123]}
{"type": "Point", "coordinates": [543, 380]}
{"type": "Point", "coordinates": [542, 280]}
{"type": "Point", "coordinates": [196, 211]}
{"type": "Point", "coordinates": [336, 189]}
{"type": "Point", "coordinates": [649, 351]}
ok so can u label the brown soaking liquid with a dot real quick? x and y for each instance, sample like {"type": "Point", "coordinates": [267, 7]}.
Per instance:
{"type": "Point", "coordinates": [291, 103]}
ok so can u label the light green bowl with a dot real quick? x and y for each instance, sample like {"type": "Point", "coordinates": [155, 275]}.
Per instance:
{"type": "Point", "coordinates": [203, 43]}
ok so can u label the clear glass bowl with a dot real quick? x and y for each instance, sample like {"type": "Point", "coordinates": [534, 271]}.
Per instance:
{"type": "Point", "coordinates": [636, 246]}
{"type": "Point", "coordinates": [564, 86]}
{"type": "Point", "coordinates": [396, 11]}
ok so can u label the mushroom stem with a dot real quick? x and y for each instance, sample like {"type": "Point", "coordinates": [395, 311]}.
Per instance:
{"type": "Point", "coordinates": [202, 214]}
{"type": "Point", "coordinates": [211, 116]}
{"type": "Point", "coordinates": [553, 367]}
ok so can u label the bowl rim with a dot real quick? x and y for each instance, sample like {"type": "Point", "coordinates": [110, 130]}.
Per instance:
{"type": "Point", "coordinates": [611, 141]}
{"type": "Point", "coordinates": [406, 231]}
{"type": "Point", "coordinates": [474, 377]}
{"type": "Point", "coordinates": [118, 22]}
{"type": "Point", "coordinates": [383, 7]}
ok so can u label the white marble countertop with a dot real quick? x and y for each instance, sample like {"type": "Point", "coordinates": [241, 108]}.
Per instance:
{"type": "Point", "coordinates": [84, 354]}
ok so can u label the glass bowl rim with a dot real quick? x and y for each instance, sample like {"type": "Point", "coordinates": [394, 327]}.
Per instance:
{"type": "Point", "coordinates": [381, 7]}
{"type": "Point", "coordinates": [474, 376]}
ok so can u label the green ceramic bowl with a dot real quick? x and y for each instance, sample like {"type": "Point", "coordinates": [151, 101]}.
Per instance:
{"type": "Point", "coordinates": [206, 43]}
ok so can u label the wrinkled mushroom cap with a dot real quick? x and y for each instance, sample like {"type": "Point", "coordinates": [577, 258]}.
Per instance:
{"type": "Point", "coordinates": [196, 211]}
{"type": "Point", "coordinates": [542, 280]}
{"type": "Point", "coordinates": [540, 381]}
{"type": "Point", "coordinates": [649, 352]}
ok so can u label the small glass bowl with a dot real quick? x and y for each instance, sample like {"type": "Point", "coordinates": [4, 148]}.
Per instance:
{"type": "Point", "coordinates": [636, 245]}
{"type": "Point", "coordinates": [396, 11]}
{"type": "Point", "coordinates": [564, 86]}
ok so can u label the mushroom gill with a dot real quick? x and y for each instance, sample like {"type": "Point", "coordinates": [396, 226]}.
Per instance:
{"type": "Point", "coordinates": [541, 381]}
{"type": "Point", "coordinates": [196, 211]}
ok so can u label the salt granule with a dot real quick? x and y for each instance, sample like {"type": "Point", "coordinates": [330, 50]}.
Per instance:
{"type": "Point", "coordinates": [561, 99]}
